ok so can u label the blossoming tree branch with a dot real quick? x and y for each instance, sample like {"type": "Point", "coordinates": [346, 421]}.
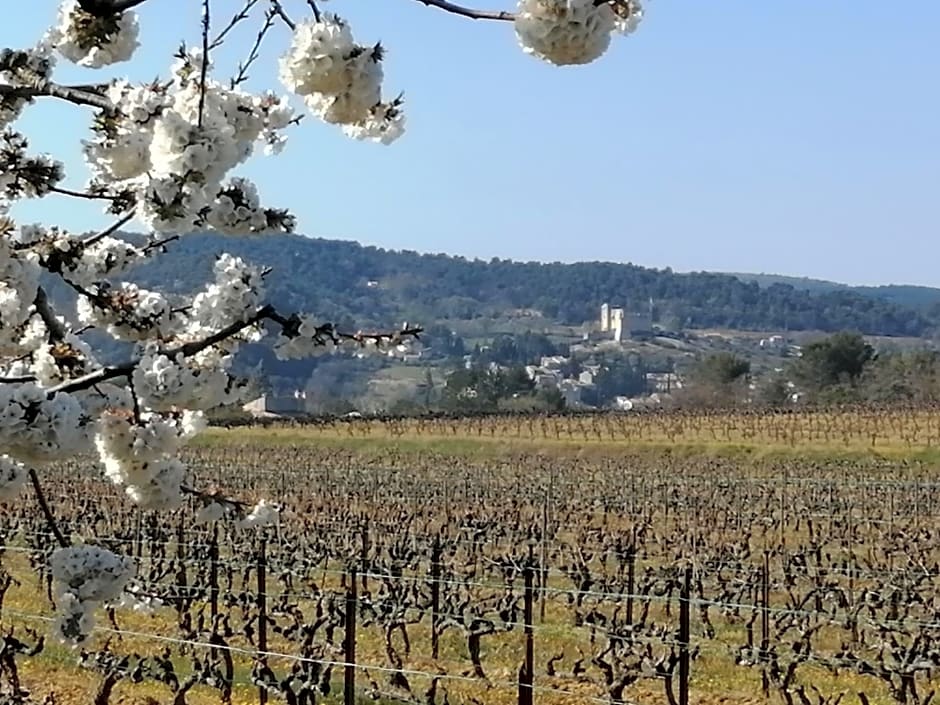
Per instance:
{"type": "Point", "coordinates": [162, 155]}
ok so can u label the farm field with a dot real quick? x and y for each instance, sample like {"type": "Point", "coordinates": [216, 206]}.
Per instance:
{"type": "Point", "coordinates": [898, 431]}
{"type": "Point", "coordinates": [779, 571]}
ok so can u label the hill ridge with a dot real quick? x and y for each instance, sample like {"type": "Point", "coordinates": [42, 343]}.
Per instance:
{"type": "Point", "coordinates": [366, 284]}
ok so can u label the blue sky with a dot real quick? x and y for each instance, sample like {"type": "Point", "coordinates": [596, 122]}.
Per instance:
{"type": "Point", "coordinates": [798, 137]}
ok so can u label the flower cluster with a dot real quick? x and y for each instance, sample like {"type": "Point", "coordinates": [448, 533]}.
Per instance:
{"type": "Point", "coordinates": [566, 32]}
{"type": "Point", "coordinates": [24, 176]}
{"type": "Point", "coordinates": [211, 512]}
{"type": "Point", "coordinates": [55, 362]}
{"type": "Point", "coordinates": [385, 123]}
{"type": "Point", "coordinates": [340, 80]}
{"type": "Point", "coordinates": [304, 338]}
{"type": "Point", "coordinates": [235, 295]}
{"type": "Point", "coordinates": [134, 600]}
{"type": "Point", "coordinates": [19, 282]}
{"type": "Point", "coordinates": [22, 68]}
{"type": "Point", "coordinates": [121, 148]}
{"type": "Point", "coordinates": [137, 454]}
{"type": "Point", "coordinates": [236, 210]}
{"type": "Point", "coordinates": [92, 41]}
{"type": "Point", "coordinates": [12, 478]}
{"type": "Point", "coordinates": [264, 513]}
{"type": "Point", "coordinates": [82, 261]}
{"type": "Point", "coordinates": [37, 425]}
{"type": "Point", "coordinates": [170, 147]}
{"type": "Point", "coordinates": [199, 382]}
{"type": "Point", "coordinates": [629, 15]}
{"type": "Point", "coordinates": [127, 312]}
{"type": "Point", "coordinates": [84, 577]}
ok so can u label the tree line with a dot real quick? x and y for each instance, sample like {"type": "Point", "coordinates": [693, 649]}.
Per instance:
{"type": "Point", "coordinates": [841, 368]}
{"type": "Point", "coordinates": [371, 286]}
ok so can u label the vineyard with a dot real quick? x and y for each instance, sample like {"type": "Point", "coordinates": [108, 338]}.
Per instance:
{"type": "Point", "coordinates": [863, 427]}
{"type": "Point", "coordinates": [438, 578]}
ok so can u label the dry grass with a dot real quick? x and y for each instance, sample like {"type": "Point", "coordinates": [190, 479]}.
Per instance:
{"type": "Point", "coordinates": [838, 434]}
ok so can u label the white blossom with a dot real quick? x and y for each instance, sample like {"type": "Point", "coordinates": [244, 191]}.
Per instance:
{"type": "Point", "coordinates": [19, 68]}
{"type": "Point", "coordinates": [135, 600]}
{"type": "Point", "coordinates": [121, 148]}
{"type": "Point", "coordinates": [169, 204]}
{"type": "Point", "coordinates": [37, 426]}
{"type": "Point", "coordinates": [74, 620]}
{"type": "Point", "coordinates": [54, 363]}
{"type": "Point", "coordinates": [210, 513]}
{"type": "Point", "coordinates": [154, 485]}
{"type": "Point", "coordinates": [127, 312]}
{"type": "Point", "coordinates": [262, 514]}
{"type": "Point", "coordinates": [84, 576]}
{"type": "Point", "coordinates": [152, 436]}
{"type": "Point", "coordinates": [339, 80]}
{"type": "Point", "coordinates": [13, 476]}
{"type": "Point", "coordinates": [93, 41]}
{"type": "Point", "coordinates": [22, 175]}
{"type": "Point", "coordinates": [305, 340]}
{"type": "Point", "coordinates": [104, 397]}
{"type": "Point", "coordinates": [198, 382]}
{"type": "Point", "coordinates": [629, 17]}
{"type": "Point", "coordinates": [316, 59]}
{"type": "Point", "coordinates": [181, 147]}
{"type": "Point", "coordinates": [564, 32]}
{"type": "Point", "coordinates": [385, 124]}
{"type": "Point", "coordinates": [106, 257]}
{"type": "Point", "coordinates": [91, 573]}
{"type": "Point", "coordinates": [235, 295]}
{"type": "Point", "coordinates": [19, 283]}
{"type": "Point", "coordinates": [236, 209]}
{"type": "Point", "coordinates": [137, 454]}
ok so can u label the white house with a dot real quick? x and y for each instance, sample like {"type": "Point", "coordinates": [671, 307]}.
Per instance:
{"type": "Point", "coordinates": [270, 406]}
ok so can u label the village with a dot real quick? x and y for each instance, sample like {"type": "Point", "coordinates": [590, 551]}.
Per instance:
{"type": "Point", "coordinates": [617, 337]}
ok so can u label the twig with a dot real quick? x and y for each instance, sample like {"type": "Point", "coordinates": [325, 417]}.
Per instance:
{"type": "Point", "coordinates": [241, 15]}
{"type": "Point", "coordinates": [204, 69]}
{"type": "Point", "coordinates": [470, 12]}
{"type": "Point", "coordinates": [109, 231]}
{"type": "Point", "coordinates": [135, 400]}
{"type": "Point", "coordinates": [47, 512]}
{"type": "Point", "coordinates": [158, 244]}
{"type": "Point", "coordinates": [279, 11]}
{"type": "Point", "coordinates": [81, 194]}
{"type": "Point", "coordinates": [255, 49]}
{"type": "Point", "coordinates": [316, 10]}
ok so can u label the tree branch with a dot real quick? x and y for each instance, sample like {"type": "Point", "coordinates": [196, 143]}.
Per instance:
{"type": "Point", "coordinates": [88, 195]}
{"type": "Point", "coordinates": [47, 512]}
{"type": "Point", "coordinates": [109, 231]}
{"type": "Point", "coordinates": [79, 95]}
{"type": "Point", "coordinates": [106, 374]}
{"type": "Point", "coordinates": [268, 312]}
{"type": "Point", "coordinates": [105, 8]}
{"type": "Point", "coordinates": [44, 309]}
{"type": "Point", "coordinates": [470, 12]}
{"type": "Point", "coordinates": [279, 11]}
